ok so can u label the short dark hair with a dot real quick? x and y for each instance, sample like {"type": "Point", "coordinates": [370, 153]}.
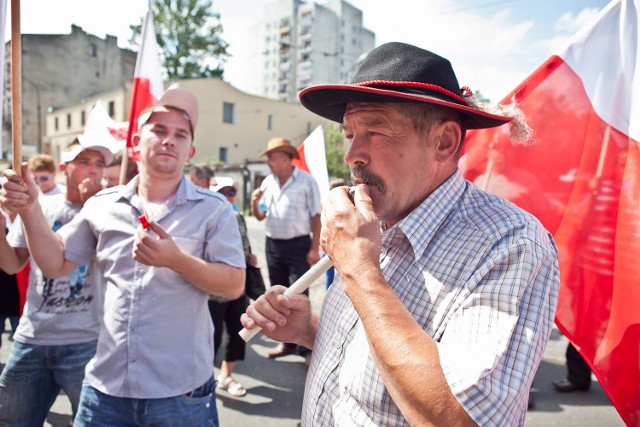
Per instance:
{"type": "Point", "coordinates": [203, 172]}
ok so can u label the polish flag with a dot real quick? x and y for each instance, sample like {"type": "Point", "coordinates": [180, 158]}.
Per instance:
{"type": "Point", "coordinates": [147, 80]}
{"type": "Point", "coordinates": [581, 178]}
{"type": "Point", "coordinates": [313, 159]}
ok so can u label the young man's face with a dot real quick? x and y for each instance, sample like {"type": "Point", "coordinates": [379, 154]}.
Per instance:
{"type": "Point", "coordinates": [45, 180]}
{"type": "Point", "coordinates": [88, 164]}
{"type": "Point", "coordinates": [112, 176]}
{"type": "Point", "coordinates": [164, 142]}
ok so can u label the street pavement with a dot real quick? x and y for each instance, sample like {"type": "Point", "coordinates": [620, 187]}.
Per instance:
{"type": "Point", "coordinates": [276, 387]}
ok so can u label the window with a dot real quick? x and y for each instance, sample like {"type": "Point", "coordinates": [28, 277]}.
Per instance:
{"type": "Point", "coordinates": [270, 122]}
{"type": "Point", "coordinates": [223, 154]}
{"type": "Point", "coordinates": [56, 123]}
{"type": "Point", "coordinates": [93, 50]}
{"type": "Point", "coordinates": [83, 115]}
{"type": "Point", "coordinates": [68, 121]}
{"type": "Point", "coordinates": [228, 113]}
{"type": "Point", "coordinates": [112, 109]}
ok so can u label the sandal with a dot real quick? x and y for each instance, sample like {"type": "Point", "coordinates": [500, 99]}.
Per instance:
{"type": "Point", "coordinates": [232, 386]}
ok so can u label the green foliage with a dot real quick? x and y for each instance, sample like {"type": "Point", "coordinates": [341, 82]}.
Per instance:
{"type": "Point", "coordinates": [189, 35]}
{"type": "Point", "coordinates": [336, 146]}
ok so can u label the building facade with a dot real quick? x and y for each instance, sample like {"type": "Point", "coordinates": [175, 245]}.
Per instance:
{"type": "Point", "coordinates": [233, 127]}
{"type": "Point", "coordinates": [58, 70]}
{"type": "Point", "coordinates": [304, 43]}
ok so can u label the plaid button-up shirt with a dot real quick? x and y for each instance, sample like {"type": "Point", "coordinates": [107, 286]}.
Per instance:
{"type": "Point", "coordinates": [481, 278]}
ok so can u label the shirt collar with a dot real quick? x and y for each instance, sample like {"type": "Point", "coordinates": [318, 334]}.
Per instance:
{"type": "Point", "coordinates": [421, 225]}
{"type": "Point", "coordinates": [186, 191]}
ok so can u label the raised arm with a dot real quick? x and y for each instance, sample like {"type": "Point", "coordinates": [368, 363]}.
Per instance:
{"type": "Point", "coordinates": [351, 238]}
{"type": "Point", "coordinates": [20, 195]}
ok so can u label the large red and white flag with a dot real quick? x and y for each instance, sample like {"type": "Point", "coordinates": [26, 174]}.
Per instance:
{"type": "Point", "coordinates": [313, 159]}
{"type": "Point", "coordinates": [581, 178]}
{"type": "Point", "coordinates": [3, 23]}
{"type": "Point", "coordinates": [147, 81]}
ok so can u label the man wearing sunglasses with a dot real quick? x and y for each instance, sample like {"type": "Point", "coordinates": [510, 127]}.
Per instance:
{"type": "Point", "coordinates": [43, 169]}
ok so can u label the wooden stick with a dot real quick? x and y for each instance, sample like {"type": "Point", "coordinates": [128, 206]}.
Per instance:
{"type": "Point", "coordinates": [16, 87]}
{"type": "Point", "coordinates": [124, 165]}
{"type": "Point", "coordinates": [300, 285]}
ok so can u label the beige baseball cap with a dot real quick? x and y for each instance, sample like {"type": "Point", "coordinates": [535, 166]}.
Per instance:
{"type": "Point", "coordinates": [177, 98]}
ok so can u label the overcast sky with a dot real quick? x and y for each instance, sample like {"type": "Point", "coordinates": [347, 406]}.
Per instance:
{"type": "Point", "coordinates": [492, 44]}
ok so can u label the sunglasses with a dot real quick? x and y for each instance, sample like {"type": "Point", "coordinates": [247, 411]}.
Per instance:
{"type": "Point", "coordinates": [43, 178]}
{"type": "Point", "coordinates": [229, 192]}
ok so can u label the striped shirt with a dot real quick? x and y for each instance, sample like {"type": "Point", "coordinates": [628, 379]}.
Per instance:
{"type": "Point", "coordinates": [481, 277]}
{"type": "Point", "coordinates": [290, 207]}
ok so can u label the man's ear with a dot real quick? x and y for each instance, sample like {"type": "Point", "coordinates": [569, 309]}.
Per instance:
{"type": "Point", "coordinates": [448, 140]}
{"type": "Point", "coordinates": [192, 152]}
{"type": "Point", "coordinates": [135, 140]}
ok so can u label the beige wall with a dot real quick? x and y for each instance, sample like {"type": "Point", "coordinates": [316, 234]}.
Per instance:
{"type": "Point", "coordinates": [60, 136]}
{"type": "Point", "coordinates": [244, 139]}
{"type": "Point", "coordinates": [248, 135]}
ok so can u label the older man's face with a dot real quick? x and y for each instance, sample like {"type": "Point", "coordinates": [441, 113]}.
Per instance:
{"type": "Point", "coordinates": [387, 153]}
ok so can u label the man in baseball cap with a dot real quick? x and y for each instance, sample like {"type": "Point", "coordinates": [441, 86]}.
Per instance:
{"type": "Point", "coordinates": [162, 245]}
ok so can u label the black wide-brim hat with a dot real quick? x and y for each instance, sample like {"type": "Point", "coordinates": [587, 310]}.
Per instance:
{"type": "Point", "coordinates": [399, 72]}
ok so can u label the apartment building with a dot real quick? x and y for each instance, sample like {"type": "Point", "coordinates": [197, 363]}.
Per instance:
{"type": "Point", "coordinates": [59, 70]}
{"type": "Point", "coordinates": [306, 43]}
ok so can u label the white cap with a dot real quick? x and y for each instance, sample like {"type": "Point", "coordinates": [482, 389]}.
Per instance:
{"type": "Point", "coordinates": [83, 142]}
{"type": "Point", "coordinates": [222, 182]}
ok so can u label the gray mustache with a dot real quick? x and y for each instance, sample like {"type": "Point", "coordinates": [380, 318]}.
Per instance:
{"type": "Point", "coordinates": [363, 176]}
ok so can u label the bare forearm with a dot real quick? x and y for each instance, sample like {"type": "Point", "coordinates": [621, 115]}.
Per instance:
{"type": "Point", "coordinates": [45, 246]}
{"type": "Point", "coordinates": [10, 261]}
{"type": "Point", "coordinates": [390, 327]}
{"type": "Point", "coordinates": [213, 278]}
{"type": "Point", "coordinates": [257, 213]}
{"type": "Point", "coordinates": [316, 225]}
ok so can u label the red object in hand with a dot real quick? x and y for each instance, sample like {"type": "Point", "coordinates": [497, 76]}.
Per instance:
{"type": "Point", "coordinates": [144, 222]}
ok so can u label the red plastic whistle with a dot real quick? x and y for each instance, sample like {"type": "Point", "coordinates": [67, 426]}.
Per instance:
{"type": "Point", "coordinates": [144, 222]}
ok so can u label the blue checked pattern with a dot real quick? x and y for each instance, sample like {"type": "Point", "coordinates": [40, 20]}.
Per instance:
{"type": "Point", "coordinates": [481, 278]}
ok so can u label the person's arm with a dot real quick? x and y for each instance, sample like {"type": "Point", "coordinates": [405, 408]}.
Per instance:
{"type": "Point", "coordinates": [351, 238]}
{"type": "Point", "coordinates": [20, 195]}
{"type": "Point", "coordinates": [314, 253]}
{"type": "Point", "coordinates": [284, 318]}
{"type": "Point", "coordinates": [215, 278]}
{"type": "Point", "coordinates": [11, 259]}
{"type": "Point", "coordinates": [255, 202]}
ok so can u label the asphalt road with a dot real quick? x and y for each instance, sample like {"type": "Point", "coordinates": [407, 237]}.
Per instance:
{"type": "Point", "coordinates": [276, 386]}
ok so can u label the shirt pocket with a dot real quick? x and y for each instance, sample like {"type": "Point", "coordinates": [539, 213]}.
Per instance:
{"type": "Point", "coordinates": [190, 246]}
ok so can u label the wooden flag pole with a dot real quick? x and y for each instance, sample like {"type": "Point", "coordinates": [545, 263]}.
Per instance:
{"type": "Point", "coordinates": [124, 164]}
{"type": "Point", "coordinates": [16, 87]}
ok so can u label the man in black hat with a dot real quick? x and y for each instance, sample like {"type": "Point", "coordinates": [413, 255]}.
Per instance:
{"type": "Point", "coordinates": [444, 295]}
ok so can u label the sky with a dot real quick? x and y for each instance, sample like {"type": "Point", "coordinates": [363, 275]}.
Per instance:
{"type": "Point", "coordinates": [493, 44]}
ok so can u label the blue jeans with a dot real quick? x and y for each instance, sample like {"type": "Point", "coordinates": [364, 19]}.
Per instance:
{"type": "Point", "coordinates": [197, 408]}
{"type": "Point", "coordinates": [33, 377]}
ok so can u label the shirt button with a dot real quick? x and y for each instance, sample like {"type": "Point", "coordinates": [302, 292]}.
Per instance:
{"type": "Point", "coordinates": [336, 344]}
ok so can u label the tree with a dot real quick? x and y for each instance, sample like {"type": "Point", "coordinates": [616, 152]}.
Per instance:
{"type": "Point", "coordinates": [336, 148]}
{"type": "Point", "coordinates": [189, 34]}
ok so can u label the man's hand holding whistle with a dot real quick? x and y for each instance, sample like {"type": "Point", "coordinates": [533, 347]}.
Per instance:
{"type": "Point", "coordinates": [288, 318]}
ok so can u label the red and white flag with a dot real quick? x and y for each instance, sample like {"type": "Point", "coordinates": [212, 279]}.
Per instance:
{"type": "Point", "coordinates": [313, 159]}
{"type": "Point", "coordinates": [581, 178]}
{"type": "Point", "coordinates": [147, 80]}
